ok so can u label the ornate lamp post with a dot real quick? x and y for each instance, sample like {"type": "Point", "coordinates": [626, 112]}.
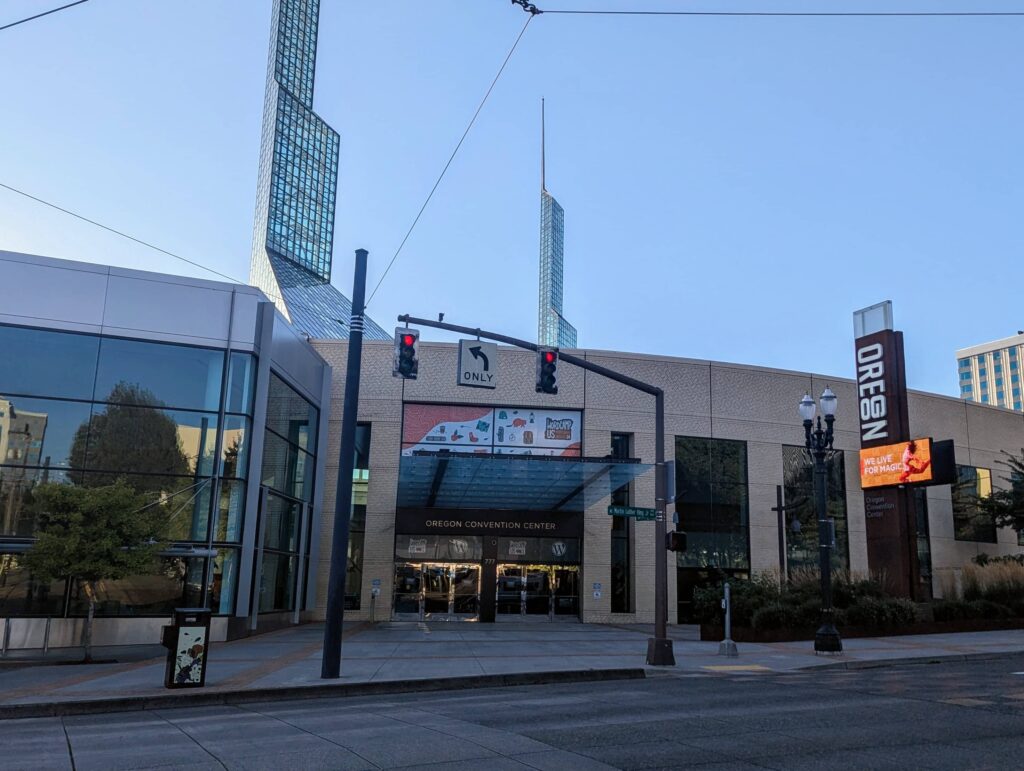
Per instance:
{"type": "Point", "coordinates": [819, 444]}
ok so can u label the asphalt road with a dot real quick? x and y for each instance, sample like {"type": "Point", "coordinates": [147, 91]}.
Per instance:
{"type": "Point", "coordinates": [949, 716]}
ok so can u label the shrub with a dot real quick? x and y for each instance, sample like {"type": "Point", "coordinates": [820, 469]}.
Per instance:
{"type": "Point", "coordinates": [887, 612]}
{"type": "Point", "coordinates": [988, 609]}
{"type": "Point", "coordinates": [953, 610]}
{"type": "Point", "coordinates": [776, 616]}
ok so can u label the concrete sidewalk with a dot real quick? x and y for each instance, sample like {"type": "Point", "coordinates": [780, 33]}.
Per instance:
{"type": "Point", "coordinates": [401, 652]}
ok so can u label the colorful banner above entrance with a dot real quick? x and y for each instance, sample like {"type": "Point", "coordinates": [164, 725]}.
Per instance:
{"type": "Point", "coordinates": [491, 430]}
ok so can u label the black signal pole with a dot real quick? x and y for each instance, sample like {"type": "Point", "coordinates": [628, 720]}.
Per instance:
{"type": "Point", "coordinates": [659, 647]}
{"type": "Point", "coordinates": [330, 668]}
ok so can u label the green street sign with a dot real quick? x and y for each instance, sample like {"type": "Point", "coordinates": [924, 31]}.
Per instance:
{"type": "Point", "coordinates": [641, 515]}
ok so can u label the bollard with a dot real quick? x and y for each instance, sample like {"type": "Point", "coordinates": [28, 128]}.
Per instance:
{"type": "Point", "coordinates": [727, 647]}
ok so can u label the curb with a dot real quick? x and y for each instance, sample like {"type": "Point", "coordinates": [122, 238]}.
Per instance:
{"type": "Point", "coordinates": [299, 692]}
{"type": "Point", "coordinates": [912, 660]}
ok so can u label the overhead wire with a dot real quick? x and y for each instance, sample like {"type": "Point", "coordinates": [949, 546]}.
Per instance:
{"type": "Point", "coordinates": [596, 12]}
{"type": "Point", "coordinates": [41, 15]}
{"type": "Point", "coordinates": [76, 215]}
{"type": "Point", "coordinates": [451, 158]}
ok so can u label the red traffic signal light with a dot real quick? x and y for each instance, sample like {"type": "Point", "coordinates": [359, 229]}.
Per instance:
{"type": "Point", "coordinates": [407, 363]}
{"type": "Point", "coordinates": [547, 374]}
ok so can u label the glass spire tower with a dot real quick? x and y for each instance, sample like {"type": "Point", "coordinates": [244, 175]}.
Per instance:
{"type": "Point", "coordinates": [293, 233]}
{"type": "Point", "coordinates": [552, 328]}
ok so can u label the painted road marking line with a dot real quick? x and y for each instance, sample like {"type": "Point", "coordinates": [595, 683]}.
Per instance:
{"type": "Point", "coordinates": [737, 668]}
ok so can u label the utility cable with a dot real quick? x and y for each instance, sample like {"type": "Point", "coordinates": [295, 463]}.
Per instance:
{"type": "Point", "coordinates": [784, 13]}
{"type": "Point", "coordinates": [451, 158]}
{"type": "Point", "coordinates": [120, 233]}
{"type": "Point", "coordinates": [40, 15]}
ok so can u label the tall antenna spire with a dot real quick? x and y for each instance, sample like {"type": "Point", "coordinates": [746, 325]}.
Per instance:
{"type": "Point", "coordinates": [542, 187]}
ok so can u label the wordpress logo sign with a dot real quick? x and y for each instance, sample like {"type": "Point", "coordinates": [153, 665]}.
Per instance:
{"type": "Point", "coordinates": [558, 548]}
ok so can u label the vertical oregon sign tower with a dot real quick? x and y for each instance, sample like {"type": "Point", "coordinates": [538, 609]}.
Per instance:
{"type": "Point", "coordinates": [890, 519]}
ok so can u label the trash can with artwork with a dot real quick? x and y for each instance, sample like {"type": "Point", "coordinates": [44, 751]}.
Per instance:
{"type": "Point", "coordinates": [187, 642]}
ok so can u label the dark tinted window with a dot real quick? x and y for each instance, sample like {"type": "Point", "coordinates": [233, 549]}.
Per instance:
{"type": "Point", "coordinates": [286, 468]}
{"type": "Point", "coordinates": [712, 501]}
{"type": "Point", "coordinates": [970, 523]}
{"type": "Point", "coordinates": [170, 375]}
{"type": "Point", "coordinates": [291, 416]}
{"type": "Point", "coordinates": [801, 516]}
{"type": "Point", "coordinates": [43, 363]}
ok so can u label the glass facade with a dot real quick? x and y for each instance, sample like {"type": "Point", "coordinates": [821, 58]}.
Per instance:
{"type": "Point", "coordinates": [552, 328]}
{"type": "Point", "coordinates": [622, 547]}
{"type": "Point", "coordinates": [288, 471]}
{"type": "Point", "coordinates": [970, 523]}
{"type": "Point", "coordinates": [983, 376]}
{"type": "Point", "coordinates": [293, 233]}
{"type": "Point", "coordinates": [712, 499]}
{"type": "Point", "coordinates": [357, 522]}
{"type": "Point", "coordinates": [801, 516]}
{"type": "Point", "coordinates": [86, 410]}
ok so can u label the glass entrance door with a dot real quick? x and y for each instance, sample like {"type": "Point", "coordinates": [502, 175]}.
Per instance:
{"type": "Point", "coordinates": [433, 591]}
{"type": "Point", "coordinates": [537, 598]}
{"type": "Point", "coordinates": [510, 589]}
{"type": "Point", "coordinates": [537, 592]}
{"type": "Point", "coordinates": [437, 590]}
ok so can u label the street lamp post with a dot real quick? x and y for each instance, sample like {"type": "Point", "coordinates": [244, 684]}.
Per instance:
{"type": "Point", "coordinates": [819, 444]}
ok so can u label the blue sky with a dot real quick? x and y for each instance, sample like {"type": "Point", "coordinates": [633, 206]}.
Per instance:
{"type": "Point", "coordinates": [734, 187]}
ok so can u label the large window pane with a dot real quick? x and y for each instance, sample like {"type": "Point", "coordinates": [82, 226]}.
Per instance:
{"type": "Point", "coordinates": [713, 502]}
{"type": "Point", "coordinates": [22, 595]}
{"type": "Point", "coordinates": [42, 432]}
{"type": "Point", "coordinates": [291, 416]}
{"type": "Point", "coordinates": [970, 523]}
{"type": "Point", "coordinates": [286, 468]}
{"type": "Point", "coordinates": [225, 581]}
{"type": "Point", "coordinates": [236, 447]}
{"type": "Point", "coordinates": [241, 382]}
{"type": "Point", "coordinates": [129, 438]}
{"type": "Point", "coordinates": [45, 363]}
{"type": "Point", "coordinates": [16, 485]}
{"type": "Point", "coordinates": [174, 582]}
{"type": "Point", "coordinates": [277, 584]}
{"type": "Point", "coordinates": [173, 375]}
{"type": "Point", "coordinates": [282, 527]}
{"type": "Point", "coordinates": [801, 516]}
{"type": "Point", "coordinates": [232, 510]}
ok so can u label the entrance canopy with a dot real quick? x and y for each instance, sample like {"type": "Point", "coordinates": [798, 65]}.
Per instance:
{"type": "Point", "coordinates": [451, 480]}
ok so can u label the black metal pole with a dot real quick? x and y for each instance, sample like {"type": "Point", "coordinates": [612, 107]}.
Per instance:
{"type": "Point", "coordinates": [331, 666]}
{"type": "Point", "coordinates": [826, 639]}
{"type": "Point", "coordinates": [659, 647]}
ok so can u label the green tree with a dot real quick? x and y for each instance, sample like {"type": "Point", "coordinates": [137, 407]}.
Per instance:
{"type": "Point", "coordinates": [93, 534]}
{"type": "Point", "coordinates": [1006, 506]}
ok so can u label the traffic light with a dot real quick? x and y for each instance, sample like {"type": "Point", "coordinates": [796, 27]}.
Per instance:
{"type": "Point", "coordinates": [547, 371]}
{"type": "Point", "coordinates": [407, 363]}
{"type": "Point", "coordinates": [675, 541]}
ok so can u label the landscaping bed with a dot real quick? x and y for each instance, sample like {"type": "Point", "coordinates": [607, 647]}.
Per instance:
{"type": "Point", "coordinates": [989, 596]}
{"type": "Point", "coordinates": [715, 633]}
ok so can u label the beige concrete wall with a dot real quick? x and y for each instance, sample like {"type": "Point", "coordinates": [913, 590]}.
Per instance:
{"type": "Point", "coordinates": [752, 404]}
